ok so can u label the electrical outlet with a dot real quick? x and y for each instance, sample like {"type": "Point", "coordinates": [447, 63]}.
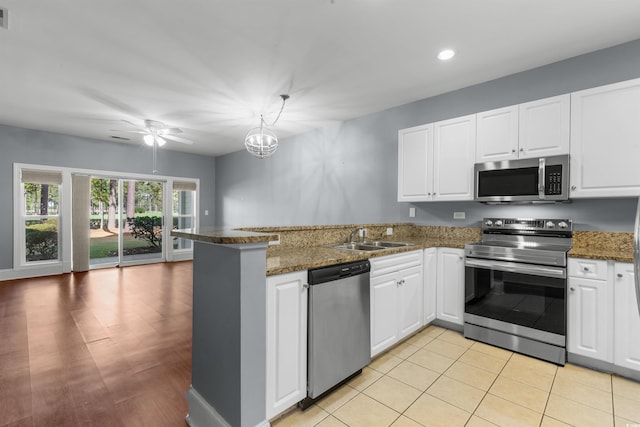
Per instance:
{"type": "Point", "coordinates": [412, 212]}
{"type": "Point", "coordinates": [362, 232]}
{"type": "Point", "coordinates": [206, 212]}
{"type": "Point", "coordinates": [389, 231]}
{"type": "Point", "coordinates": [459, 215]}
{"type": "Point", "coordinates": [274, 242]}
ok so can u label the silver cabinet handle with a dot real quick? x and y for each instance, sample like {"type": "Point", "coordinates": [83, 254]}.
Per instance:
{"type": "Point", "coordinates": [513, 151]}
{"type": "Point", "coordinates": [586, 268]}
{"type": "Point", "coordinates": [620, 275]}
{"type": "Point", "coordinates": [572, 289]}
{"type": "Point", "coordinates": [305, 286]}
{"type": "Point", "coordinates": [573, 187]}
{"type": "Point", "coordinates": [521, 149]}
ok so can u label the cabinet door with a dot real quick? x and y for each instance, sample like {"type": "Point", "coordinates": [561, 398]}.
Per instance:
{"type": "Point", "coordinates": [430, 268]}
{"type": "Point", "coordinates": [415, 154]}
{"type": "Point", "coordinates": [544, 127]}
{"type": "Point", "coordinates": [384, 312]}
{"type": "Point", "coordinates": [450, 288]}
{"type": "Point", "coordinates": [286, 356]}
{"type": "Point", "coordinates": [409, 301]}
{"type": "Point", "coordinates": [497, 135]}
{"type": "Point", "coordinates": [627, 319]}
{"type": "Point", "coordinates": [590, 318]}
{"type": "Point", "coordinates": [605, 135]}
{"type": "Point", "coordinates": [453, 158]}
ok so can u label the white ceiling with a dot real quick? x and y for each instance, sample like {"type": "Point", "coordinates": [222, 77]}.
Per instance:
{"type": "Point", "coordinates": [211, 67]}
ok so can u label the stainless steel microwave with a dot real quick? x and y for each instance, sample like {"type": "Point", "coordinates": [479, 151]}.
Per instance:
{"type": "Point", "coordinates": [544, 179]}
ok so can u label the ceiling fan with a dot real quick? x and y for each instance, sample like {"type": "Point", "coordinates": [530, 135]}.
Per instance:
{"type": "Point", "coordinates": [156, 134]}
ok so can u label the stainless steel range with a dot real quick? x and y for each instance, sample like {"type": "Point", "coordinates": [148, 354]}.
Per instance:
{"type": "Point", "coordinates": [516, 286]}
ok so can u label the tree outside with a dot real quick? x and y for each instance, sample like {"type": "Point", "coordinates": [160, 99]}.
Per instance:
{"type": "Point", "coordinates": [140, 217]}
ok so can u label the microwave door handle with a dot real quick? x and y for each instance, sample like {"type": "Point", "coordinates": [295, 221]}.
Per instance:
{"type": "Point", "coordinates": [541, 176]}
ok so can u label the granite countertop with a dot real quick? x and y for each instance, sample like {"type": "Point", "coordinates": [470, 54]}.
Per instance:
{"type": "Point", "coordinates": [614, 246]}
{"type": "Point", "coordinates": [225, 236]}
{"type": "Point", "coordinates": [287, 260]}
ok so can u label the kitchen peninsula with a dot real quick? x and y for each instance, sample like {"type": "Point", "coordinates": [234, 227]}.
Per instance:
{"type": "Point", "coordinates": [229, 338]}
{"type": "Point", "coordinates": [231, 269]}
{"type": "Point", "coordinates": [229, 302]}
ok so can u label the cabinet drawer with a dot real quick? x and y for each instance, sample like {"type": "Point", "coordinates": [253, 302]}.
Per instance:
{"type": "Point", "coordinates": [589, 268]}
{"type": "Point", "coordinates": [391, 263]}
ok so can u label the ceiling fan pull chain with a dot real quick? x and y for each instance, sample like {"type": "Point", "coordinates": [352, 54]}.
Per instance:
{"type": "Point", "coordinates": [155, 147]}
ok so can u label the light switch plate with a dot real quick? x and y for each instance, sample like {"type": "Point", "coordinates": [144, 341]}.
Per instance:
{"type": "Point", "coordinates": [412, 212]}
{"type": "Point", "coordinates": [389, 231]}
{"type": "Point", "coordinates": [459, 215]}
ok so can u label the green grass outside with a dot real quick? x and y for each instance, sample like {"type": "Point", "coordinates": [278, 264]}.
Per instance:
{"type": "Point", "coordinates": [100, 247]}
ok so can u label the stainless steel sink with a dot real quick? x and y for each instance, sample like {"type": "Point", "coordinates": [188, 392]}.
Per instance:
{"type": "Point", "coordinates": [374, 245]}
{"type": "Point", "coordinates": [358, 247]}
{"type": "Point", "coordinates": [386, 244]}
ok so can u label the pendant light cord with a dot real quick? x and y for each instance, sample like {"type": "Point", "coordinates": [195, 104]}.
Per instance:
{"type": "Point", "coordinates": [284, 99]}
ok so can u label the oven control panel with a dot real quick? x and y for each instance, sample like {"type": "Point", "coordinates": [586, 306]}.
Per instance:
{"type": "Point", "coordinates": [526, 224]}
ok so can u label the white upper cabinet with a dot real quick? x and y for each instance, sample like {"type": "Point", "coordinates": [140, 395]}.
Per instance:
{"type": "Point", "coordinates": [435, 161]}
{"type": "Point", "coordinates": [453, 153]}
{"type": "Point", "coordinates": [415, 153]}
{"type": "Point", "coordinates": [497, 135]}
{"type": "Point", "coordinates": [535, 129]}
{"type": "Point", "coordinates": [544, 127]}
{"type": "Point", "coordinates": [605, 141]}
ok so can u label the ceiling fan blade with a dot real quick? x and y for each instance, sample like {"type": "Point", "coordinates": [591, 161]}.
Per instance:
{"type": "Point", "coordinates": [166, 131]}
{"type": "Point", "coordinates": [129, 131]}
{"type": "Point", "coordinates": [177, 139]}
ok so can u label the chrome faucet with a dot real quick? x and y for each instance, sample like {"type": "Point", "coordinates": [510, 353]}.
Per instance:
{"type": "Point", "coordinates": [354, 233]}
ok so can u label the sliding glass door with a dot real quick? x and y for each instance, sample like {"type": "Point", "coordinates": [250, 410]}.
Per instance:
{"type": "Point", "coordinates": [126, 221]}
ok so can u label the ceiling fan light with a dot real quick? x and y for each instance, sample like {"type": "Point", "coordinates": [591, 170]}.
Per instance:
{"type": "Point", "coordinates": [261, 142]}
{"type": "Point", "coordinates": [148, 139]}
{"type": "Point", "coordinates": [161, 141]}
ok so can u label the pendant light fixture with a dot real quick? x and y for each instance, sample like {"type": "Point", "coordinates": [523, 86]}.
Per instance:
{"type": "Point", "coordinates": [261, 141]}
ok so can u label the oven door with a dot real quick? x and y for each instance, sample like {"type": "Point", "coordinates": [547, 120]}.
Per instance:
{"type": "Point", "coordinates": [515, 298]}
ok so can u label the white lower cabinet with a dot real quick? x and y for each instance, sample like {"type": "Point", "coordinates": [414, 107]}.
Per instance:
{"type": "Point", "coordinates": [603, 321]}
{"type": "Point", "coordinates": [450, 285]}
{"type": "Point", "coordinates": [590, 318]}
{"type": "Point", "coordinates": [396, 298]}
{"type": "Point", "coordinates": [286, 357]}
{"type": "Point", "coordinates": [626, 319]}
{"type": "Point", "coordinates": [430, 269]}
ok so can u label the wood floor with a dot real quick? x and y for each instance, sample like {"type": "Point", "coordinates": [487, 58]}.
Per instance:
{"type": "Point", "coordinates": [109, 347]}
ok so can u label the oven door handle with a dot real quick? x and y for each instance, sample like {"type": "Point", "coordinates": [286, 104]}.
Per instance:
{"type": "Point", "coordinates": [515, 267]}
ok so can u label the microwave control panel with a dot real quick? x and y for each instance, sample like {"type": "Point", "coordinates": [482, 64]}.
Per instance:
{"type": "Point", "coordinates": [553, 180]}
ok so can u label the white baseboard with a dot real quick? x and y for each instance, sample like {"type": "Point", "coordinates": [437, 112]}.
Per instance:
{"type": "Point", "coordinates": [201, 414]}
{"type": "Point", "coordinates": [13, 274]}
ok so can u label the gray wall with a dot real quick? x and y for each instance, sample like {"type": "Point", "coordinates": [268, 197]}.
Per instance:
{"type": "Point", "coordinates": [19, 145]}
{"type": "Point", "coordinates": [347, 172]}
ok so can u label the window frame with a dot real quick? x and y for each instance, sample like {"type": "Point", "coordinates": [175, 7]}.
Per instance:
{"type": "Point", "coordinates": [63, 264]}
{"type": "Point", "coordinates": [54, 266]}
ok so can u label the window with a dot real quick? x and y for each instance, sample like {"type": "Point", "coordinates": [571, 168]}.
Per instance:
{"type": "Point", "coordinates": [40, 215]}
{"type": "Point", "coordinates": [184, 200]}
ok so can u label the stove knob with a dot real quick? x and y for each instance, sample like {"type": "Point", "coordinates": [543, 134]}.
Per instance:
{"type": "Point", "coordinates": [550, 224]}
{"type": "Point", "coordinates": [563, 224]}
{"type": "Point", "coordinates": [488, 223]}
{"type": "Point", "coordinates": [498, 223]}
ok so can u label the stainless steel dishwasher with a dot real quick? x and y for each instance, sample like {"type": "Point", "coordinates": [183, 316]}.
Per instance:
{"type": "Point", "coordinates": [339, 343]}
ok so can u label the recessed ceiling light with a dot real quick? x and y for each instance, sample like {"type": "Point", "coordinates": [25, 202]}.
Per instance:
{"type": "Point", "coordinates": [446, 54]}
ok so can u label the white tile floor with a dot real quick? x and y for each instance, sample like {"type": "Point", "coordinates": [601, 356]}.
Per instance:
{"type": "Point", "coordinates": [439, 378]}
